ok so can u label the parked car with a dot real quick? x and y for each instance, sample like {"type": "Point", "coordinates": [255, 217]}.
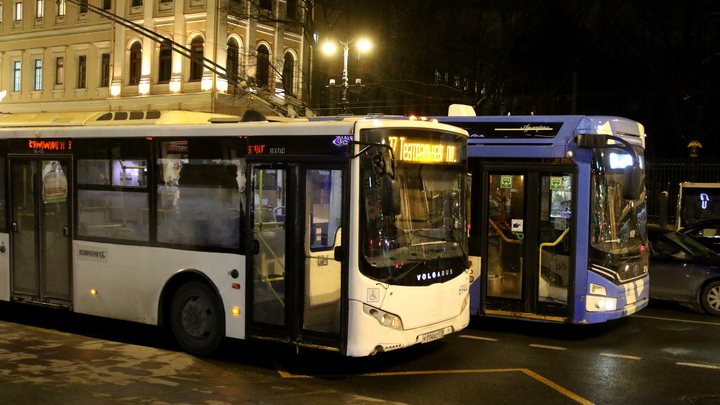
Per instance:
{"type": "Point", "coordinates": [683, 270]}
{"type": "Point", "coordinates": [706, 232]}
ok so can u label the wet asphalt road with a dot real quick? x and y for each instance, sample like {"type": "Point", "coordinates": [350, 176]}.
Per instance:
{"type": "Point", "coordinates": [663, 355]}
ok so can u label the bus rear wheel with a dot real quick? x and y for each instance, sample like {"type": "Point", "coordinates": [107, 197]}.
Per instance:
{"type": "Point", "coordinates": [197, 319]}
{"type": "Point", "coordinates": [710, 298]}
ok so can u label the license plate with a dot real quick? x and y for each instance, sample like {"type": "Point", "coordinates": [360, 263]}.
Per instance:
{"type": "Point", "coordinates": [429, 337]}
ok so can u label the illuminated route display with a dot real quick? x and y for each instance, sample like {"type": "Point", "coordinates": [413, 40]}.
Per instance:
{"type": "Point", "coordinates": [422, 152]}
{"type": "Point", "coordinates": [425, 147]}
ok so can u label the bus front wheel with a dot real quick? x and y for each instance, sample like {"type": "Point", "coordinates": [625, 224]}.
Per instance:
{"type": "Point", "coordinates": [196, 318]}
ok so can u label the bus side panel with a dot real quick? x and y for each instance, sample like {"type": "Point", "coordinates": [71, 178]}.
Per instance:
{"type": "Point", "coordinates": [4, 267]}
{"type": "Point", "coordinates": [128, 281]}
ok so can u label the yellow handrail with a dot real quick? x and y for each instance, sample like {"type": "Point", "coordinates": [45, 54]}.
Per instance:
{"type": "Point", "coordinates": [546, 244]}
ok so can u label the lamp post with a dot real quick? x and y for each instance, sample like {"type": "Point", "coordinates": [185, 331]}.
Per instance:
{"type": "Point", "coordinates": [329, 48]}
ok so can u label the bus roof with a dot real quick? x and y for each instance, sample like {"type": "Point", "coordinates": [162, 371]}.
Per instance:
{"type": "Point", "coordinates": [167, 123]}
{"type": "Point", "coordinates": [82, 118]}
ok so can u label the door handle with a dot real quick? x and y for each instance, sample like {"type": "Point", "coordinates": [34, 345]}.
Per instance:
{"type": "Point", "coordinates": [66, 231]}
{"type": "Point", "coordinates": [14, 226]}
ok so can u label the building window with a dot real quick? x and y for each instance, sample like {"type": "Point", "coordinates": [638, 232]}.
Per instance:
{"type": "Point", "coordinates": [288, 75]}
{"type": "Point", "coordinates": [83, 6]}
{"type": "Point", "coordinates": [292, 10]}
{"type": "Point", "coordinates": [105, 70]}
{"type": "Point", "coordinates": [82, 72]}
{"type": "Point", "coordinates": [62, 8]}
{"type": "Point", "coordinates": [107, 4]}
{"type": "Point", "coordinates": [164, 63]}
{"type": "Point", "coordinates": [233, 61]}
{"type": "Point", "coordinates": [197, 48]}
{"type": "Point", "coordinates": [266, 4]}
{"type": "Point", "coordinates": [1, 12]}
{"type": "Point", "coordinates": [38, 75]}
{"type": "Point", "coordinates": [39, 8]}
{"type": "Point", "coordinates": [137, 3]}
{"type": "Point", "coordinates": [18, 11]}
{"type": "Point", "coordinates": [17, 70]}
{"type": "Point", "coordinates": [59, 70]}
{"type": "Point", "coordinates": [135, 63]}
{"type": "Point", "coordinates": [263, 66]}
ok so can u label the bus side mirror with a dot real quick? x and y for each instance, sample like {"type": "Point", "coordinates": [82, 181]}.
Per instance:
{"type": "Point", "coordinates": [390, 196]}
{"type": "Point", "coordinates": [384, 164]}
{"type": "Point", "coordinates": [631, 186]}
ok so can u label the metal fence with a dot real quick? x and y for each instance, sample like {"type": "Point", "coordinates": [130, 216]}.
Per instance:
{"type": "Point", "coordinates": [667, 174]}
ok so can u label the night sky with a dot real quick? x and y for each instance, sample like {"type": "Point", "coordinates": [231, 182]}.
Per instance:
{"type": "Point", "coordinates": [657, 62]}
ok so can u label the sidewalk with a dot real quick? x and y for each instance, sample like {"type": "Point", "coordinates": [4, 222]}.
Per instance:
{"type": "Point", "coordinates": [44, 366]}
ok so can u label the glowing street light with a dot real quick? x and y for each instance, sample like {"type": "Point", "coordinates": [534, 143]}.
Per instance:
{"type": "Point", "coordinates": [329, 48]}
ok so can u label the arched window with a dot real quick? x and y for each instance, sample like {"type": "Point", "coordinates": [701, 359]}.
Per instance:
{"type": "Point", "coordinates": [135, 63]}
{"type": "Point", "coordinates": [197, 48]}
{"type": "Point", "coordinates": [164, 63]}
{"type": "Point", "coordinates": [233, 61]}
{"type": "Point", "coordinates": [263, 66]}
{"type": "Point", "coordinates": [288, 75]}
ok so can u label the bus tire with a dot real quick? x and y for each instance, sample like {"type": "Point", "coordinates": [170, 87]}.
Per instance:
{"type": "Point", "coordinates": [197, 319]}
{"type": "Point", "coordinates": [710, 298]}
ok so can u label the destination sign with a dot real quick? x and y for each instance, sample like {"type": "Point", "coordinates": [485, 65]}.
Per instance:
{"type": "Point", "coordinates": [50, 145]}
{"type": "Point", "coordinates": [409, 150]}
{"type": "Point", "coordinates": [41, 145]}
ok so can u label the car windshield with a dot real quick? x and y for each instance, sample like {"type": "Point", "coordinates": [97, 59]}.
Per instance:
{"type": "Point", "coordinates": [689, 244]}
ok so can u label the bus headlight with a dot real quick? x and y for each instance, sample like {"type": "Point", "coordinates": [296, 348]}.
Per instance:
{"type": "Point", "coordinates": [595, 304]}
{"type": "Point", "coordinates": [384, 318]}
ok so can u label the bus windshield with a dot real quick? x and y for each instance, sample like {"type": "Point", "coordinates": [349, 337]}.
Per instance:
{"type": "Point", "coordinates": [413, 225]}
{"type": "Point", "coordinates": [617, 226]}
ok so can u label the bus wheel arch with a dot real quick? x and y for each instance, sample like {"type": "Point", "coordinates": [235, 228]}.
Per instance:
{"type": "Point", "coordinates": [193, 310]}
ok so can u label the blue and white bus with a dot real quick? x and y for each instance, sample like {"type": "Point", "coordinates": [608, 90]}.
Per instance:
{"type": "Point", "coordinates": [558, 216]}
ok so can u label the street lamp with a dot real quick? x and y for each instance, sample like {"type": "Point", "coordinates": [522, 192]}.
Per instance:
{"type": "Point", "coordinates": [329, 48]}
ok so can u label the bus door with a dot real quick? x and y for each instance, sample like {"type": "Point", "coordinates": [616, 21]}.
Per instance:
{"type": "Point", "coordinates": [295, 275]}
{"type": "Point", "coordinates": [528, 246]}
{"type": "Point", "coordinates": [40, 230]}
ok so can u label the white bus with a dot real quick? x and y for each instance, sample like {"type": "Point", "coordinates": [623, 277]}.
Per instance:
{"type": "Point", "coordinates": [344, 234]}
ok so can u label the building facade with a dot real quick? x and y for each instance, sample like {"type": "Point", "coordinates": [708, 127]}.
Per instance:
{"type": "Point", "coordinates": [86, 55]}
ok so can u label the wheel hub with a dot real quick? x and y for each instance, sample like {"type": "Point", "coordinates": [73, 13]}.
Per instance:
{"type": "Point", "coordinates": [196, 318]}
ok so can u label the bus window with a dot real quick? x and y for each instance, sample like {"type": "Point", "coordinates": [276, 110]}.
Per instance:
{"type": "Point", "coordinates": [113, 197]}
{"type": "Point", "coordinates": [129, 173]}
{"type": "Point", "coordinates": [94, 171]}
{"type": "Point", "coordinates": [113, 214]}
{"type": "Point", "coordinates": [324, 199]}
{"type": "Point", "coordinates": [199, 199]}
